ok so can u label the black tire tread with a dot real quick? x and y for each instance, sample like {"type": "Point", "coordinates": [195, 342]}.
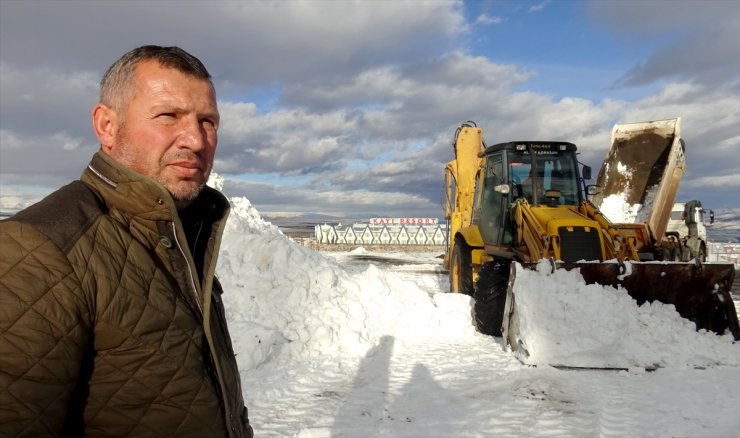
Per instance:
{"type": "Point", "coordinates": [461, 255]}
{"type": "Point", "coordinates": [490, 298]}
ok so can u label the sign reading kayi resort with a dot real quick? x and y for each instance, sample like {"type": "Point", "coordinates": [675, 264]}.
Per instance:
{"type": "Point", "coordinates": [404, 221]}
{"type": "Point", "coordinates": [385, 231]}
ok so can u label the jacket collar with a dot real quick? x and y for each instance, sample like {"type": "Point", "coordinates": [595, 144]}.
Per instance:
{"type": "Point", "coordinates": [140, 196]}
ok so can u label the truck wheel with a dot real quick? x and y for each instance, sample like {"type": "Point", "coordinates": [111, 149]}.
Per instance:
{"type": "Point", "coordinates": [461, 275]}
{"type": "Point", "coordinates": [666, 254]}
{"type": "Point", "coordinates": [490, 298]}
{"type": "Point", "coordinates": [677, 255]}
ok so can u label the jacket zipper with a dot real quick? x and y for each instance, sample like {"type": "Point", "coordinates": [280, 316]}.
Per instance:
{"type": "Point", "coordinates": [101, 176]}
{"type": "Point", "coordinates": [226, 399]}
{"type": "Point", "coordinates": [190, 269]}
{"type": "Point", "coordinates": [195, 243]}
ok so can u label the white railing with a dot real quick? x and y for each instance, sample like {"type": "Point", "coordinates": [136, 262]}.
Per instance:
{"type": "Point", "coordinates": [724, 253]}
{"type": "Point", "coordinates": [366, 234]}
{"type": "Point", "coordinates": [393, 234]}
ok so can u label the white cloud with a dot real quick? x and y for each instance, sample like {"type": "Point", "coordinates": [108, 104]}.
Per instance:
{"type": "Point", "coordinates": [703, 43]}
{"type": "Point", "coordinates": [51, 159]}
{"type": "Point", "coordinates": [356, 101]}
{"type": "Point", "coordinates": [540, 6]}
{"type": "Point", "coordinates": [487, 19]}
{"type": "Point", "coordinates": [245, 44]}
{"type": "Point", "coordinates": [43, 99]}
{"type": "Point", "coordinates": [716, 181]}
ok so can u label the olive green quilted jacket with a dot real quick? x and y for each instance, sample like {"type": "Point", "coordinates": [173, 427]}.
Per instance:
{"type": "Point", "coordinates": [106, 328]}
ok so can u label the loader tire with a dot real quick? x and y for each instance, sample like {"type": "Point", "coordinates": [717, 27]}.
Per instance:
{"type": "Point", "coordinates": [461, 277]}
{"type": "Point", "coordinates": [490, 298]}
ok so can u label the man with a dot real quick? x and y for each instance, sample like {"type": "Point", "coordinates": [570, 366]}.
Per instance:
{"type": "Point", "coordinates": [111, 321]}
{"type": "Point", "coordinates": [689, 218]}
{"type": "Point", "coordinates": [528, 186]}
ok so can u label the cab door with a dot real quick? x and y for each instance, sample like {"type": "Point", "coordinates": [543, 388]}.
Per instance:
{"type": "Point", "coordinates": [494, 204]}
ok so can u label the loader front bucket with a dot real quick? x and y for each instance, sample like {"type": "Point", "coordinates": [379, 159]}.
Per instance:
{"type": "Point", "coordinates": [699, 292]}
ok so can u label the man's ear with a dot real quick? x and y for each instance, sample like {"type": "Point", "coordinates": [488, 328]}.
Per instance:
{"type": "Point", "coordinates": [105, 125]}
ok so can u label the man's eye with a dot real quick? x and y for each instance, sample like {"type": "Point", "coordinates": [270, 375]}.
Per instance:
{"type": "Point", "coordinates": [168, 115]}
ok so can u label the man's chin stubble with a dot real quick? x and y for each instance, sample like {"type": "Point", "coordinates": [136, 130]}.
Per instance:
{"type": "Point", "coordinates": [183, 198]}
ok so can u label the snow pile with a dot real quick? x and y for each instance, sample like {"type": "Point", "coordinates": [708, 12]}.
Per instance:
{"type": "Point", "coordinates": [564, 321]}
{"type": "Point", "coordinates": [216, 181]}
{"type": "Point", "coordinates": [286, 298]}
{"type": "Point", "coordinates": [615, 206]}
{"type": "Point", "coordinates": [643, 214]}
{"type": "Point", "coordinates": [617, 210]}
{"type": "Point", "coordinates": [337, 349]}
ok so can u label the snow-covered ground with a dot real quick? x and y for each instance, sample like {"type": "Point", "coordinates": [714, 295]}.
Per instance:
{"type": "Point", "coordinates": [337, 345]}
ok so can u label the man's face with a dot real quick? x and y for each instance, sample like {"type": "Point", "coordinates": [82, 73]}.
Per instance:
{"type": "Point", "coordinates": [168, 131]}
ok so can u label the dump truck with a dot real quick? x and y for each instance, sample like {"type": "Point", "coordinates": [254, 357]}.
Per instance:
{"type": "Point", "coordinates": [638, 182]}
{"type": "Point", "coordinates": [686, 233]}
{"type": "Point", "coordinates": [525, 201]}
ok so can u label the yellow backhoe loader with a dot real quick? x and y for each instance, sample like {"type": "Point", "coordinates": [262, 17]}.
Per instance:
{"type": "Point", "coordinates": [524, 201]}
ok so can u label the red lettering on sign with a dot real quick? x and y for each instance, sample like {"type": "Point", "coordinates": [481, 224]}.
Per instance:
{"type": "Point", "coordinates": [403, 221]}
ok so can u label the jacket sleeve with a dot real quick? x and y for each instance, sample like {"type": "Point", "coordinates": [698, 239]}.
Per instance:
{"type": "Point", "coordinates": [45, 328]}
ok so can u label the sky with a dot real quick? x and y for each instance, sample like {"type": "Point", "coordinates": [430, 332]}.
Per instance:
{"type": "Point", "coordinates": [330, 345]}
{"type": "Point", "coordinates": [349, 108]}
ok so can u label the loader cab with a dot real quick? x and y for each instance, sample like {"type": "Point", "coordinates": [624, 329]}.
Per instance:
{"type": "Point", "coordinates": [544, 173]}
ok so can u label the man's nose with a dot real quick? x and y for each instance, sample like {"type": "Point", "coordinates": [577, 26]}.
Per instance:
{"type": "Point", "coordinates": [193, 134]}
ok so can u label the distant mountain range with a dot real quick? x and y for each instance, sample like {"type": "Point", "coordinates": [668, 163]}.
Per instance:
{"type": "Point", "coordinates": [726, 218]}
{"type": "Point", "coordinates": [726, 226]}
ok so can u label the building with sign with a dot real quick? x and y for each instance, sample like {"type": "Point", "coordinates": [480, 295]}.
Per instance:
{"type": "Point", "coordinates": [385, 231]}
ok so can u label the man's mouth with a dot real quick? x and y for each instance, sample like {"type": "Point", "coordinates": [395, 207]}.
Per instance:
{"type": "Point", "coordinates": [186, 169]}
{"type": "Point", "coordinates": [187, 164]}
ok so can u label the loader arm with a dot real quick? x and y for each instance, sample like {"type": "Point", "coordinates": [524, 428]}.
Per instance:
{"type": "Point", "coordinates": [530, 233]}
{"type": "Point", "coordinates": [619, 243]}
{"type": "Point", "coordinates": [461, 175]}
{"type": "Point", "coordinates": [450, 177]}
